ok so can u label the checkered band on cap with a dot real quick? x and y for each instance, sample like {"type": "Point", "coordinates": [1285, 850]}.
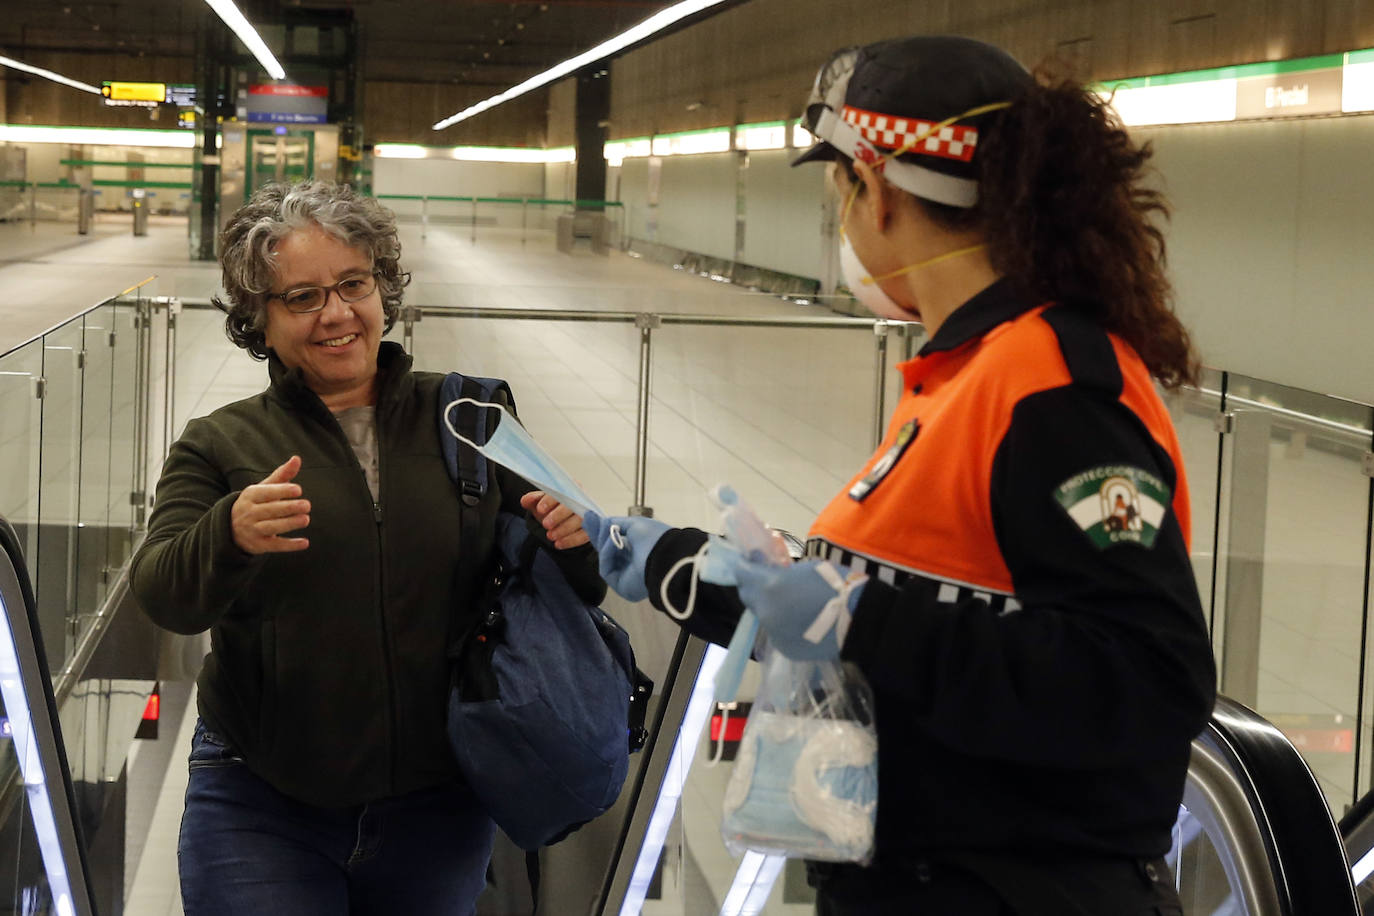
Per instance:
{"type": "Point", "coordinates": [953, 141]}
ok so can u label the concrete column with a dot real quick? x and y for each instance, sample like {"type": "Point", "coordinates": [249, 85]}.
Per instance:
{"type": "Point", "coordinates": [593, 109]}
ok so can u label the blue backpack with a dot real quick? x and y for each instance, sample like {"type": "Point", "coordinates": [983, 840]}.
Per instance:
{"type": "Point", "coordinates": [545, 702]}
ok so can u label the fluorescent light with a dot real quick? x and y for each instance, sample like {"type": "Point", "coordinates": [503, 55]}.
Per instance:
{"type": "Point", "coordinates": [753, 882]}
{"type": "Point", "coordinates": [1357, 87]}
{"type": "Point", "coordinates": [48, 74]}
{"type": "Point", "coordinates": [399, 151]}
{"type": "Point", "coordinates": [26, 751]}
{"type": "Point", "coordinates": [617, 151]}
{"type": "Point", "coordinates": [1176, 103]}
{"type": "Point", "coordinates": [99, 136]}
{"type": "Point", "coordinates": [654, 23]}
{"type": "Point", "coordinates": [512, 154]}
{"type": "Point", "coordinates": [715, 141]}
{"type": "Point", "coordinates": [692, 142]}
{"type": "Point", "coordinates": [1362, 869]}
{"type": "Point", "coordinates": [473, 153]}
{"type": "Point", "coordinates": [248, 35]}
{"type": "Point", "coordinates": [688, 735]}
{"type": "Point", "coordinates": [761, 136]}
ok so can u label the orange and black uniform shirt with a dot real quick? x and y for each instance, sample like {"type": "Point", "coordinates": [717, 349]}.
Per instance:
{"type": "Point", "coordinates": [1031, 626]}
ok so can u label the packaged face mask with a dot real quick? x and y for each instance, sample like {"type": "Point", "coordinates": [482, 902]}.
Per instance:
{"type": "Point", "coordinates": [803, 787]}
{"type": "Point", "coordinates": [513, 448]}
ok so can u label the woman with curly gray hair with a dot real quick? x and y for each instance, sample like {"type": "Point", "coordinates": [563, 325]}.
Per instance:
{"type": "Point", "coordinates": [313, 528]}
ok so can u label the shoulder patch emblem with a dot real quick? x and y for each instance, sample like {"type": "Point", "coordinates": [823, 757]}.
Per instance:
{"type": "Point", "coordinates": [1115, 504]}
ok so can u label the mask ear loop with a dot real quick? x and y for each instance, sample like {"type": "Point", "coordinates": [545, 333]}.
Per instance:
{"type": "Point", "coordinates": [449, 423]}
{"type": "Point", "coordinates": [719, 754]}
{"type": "Point", "coordinates": [694, 560]}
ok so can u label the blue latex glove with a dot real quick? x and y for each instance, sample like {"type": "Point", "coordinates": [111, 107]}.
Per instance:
{"type": "Point", "coordinates": [623, 543]}
{"type": "Point", "coordinates": [804, 608]}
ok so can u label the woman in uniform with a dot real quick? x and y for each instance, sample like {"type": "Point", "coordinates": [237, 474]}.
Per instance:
{"type": "Point", "coordinates": [1013, 564]}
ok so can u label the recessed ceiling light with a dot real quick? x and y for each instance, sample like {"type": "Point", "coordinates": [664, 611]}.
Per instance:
{"type": "Point", "coordinates": [654, 24]}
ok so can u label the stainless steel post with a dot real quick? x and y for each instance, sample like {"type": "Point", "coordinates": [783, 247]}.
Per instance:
{"type": "Point", "coordinates": [474, 220]}
{"type": "Point", "coordinates": [409, 315]}
{"type": "Point", "coordinates": [880, 381]}
{"type": "Point", "coordinates": [646, 323]}
{"type": "Point", "coordinates": [33, 206]}
{"type": "Point", "coordinates": [169, 375]}
{"type": "Point", "coordinates": [424, 217]}
{"type": "Point", "coordinates": [524, 218]}
{"type": "Point", "coordinates": [142, 358]}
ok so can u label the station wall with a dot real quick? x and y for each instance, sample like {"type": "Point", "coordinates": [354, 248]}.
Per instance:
{"type": "Point", "coordinates": [1269, 247]}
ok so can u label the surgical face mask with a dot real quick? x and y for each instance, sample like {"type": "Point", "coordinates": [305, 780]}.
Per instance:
{"type": "Point", "coordinates": [512, 447]}
{"type": "Point", "coordinates": [803, 787]}
{"type": "Point", "coordinates": [865, 286]}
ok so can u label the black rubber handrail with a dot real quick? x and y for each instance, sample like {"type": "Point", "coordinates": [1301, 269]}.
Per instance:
{"type": "Point", "coordinates": [1306, 854]}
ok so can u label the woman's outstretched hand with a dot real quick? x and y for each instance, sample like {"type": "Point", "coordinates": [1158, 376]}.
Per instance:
{"type": "Point", "coordinates": [266, 510]}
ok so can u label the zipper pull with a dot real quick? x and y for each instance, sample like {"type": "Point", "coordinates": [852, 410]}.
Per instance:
{"type": "Point", "coordinates": [377, 512]}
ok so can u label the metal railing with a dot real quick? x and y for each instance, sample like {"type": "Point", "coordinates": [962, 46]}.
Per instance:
{"type": "Point", "coordinates": [523, 202]}
{"type": "Point", "coordinates": [648, 322]}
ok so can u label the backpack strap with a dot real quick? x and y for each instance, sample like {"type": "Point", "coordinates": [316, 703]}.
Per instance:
{"type": "Point", "coordinates": [467, 467]}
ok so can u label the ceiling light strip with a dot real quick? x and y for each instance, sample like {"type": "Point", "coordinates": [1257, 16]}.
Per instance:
{"type": "Point", "coordinates": [655, 23]}
{"type": "Point", "coordinates": [241, 27]}
{"type": "Point", "coordinates": [98, 136]}
{"type": "Point", "coordinates": [1325, 85]}
{"type": "Point", "coordinates": [48, 75]}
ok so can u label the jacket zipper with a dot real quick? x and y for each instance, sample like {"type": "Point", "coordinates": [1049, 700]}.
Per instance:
{"type": "Point", "coordinates": [388, 669]}
{"type": "Point", "coordinates": [392, 716]}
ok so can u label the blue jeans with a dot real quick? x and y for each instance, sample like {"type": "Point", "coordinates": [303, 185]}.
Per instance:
{"type": "Point", "coordinates": [246, 848]}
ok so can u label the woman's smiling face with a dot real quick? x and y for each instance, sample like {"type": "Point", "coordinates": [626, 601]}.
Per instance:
{"type": "Point", "coordinates": [336, 347]}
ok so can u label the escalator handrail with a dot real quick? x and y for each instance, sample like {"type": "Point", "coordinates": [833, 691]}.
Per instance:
{"type": "Point", "coordinates": [37, 682]}
{"type": "Point", "coordinates": [1307, 856]}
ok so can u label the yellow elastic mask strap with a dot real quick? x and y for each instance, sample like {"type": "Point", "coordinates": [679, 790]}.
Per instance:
{"type": "Point", "coordinates": [921, 137]}
{"type": "Point", "coordinates": [948, 255]}
{"type": "Point", "coordinates": [911, 145]}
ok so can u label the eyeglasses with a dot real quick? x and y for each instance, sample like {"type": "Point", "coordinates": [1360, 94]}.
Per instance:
{"type": "Point", "coordinates": [304, 299]}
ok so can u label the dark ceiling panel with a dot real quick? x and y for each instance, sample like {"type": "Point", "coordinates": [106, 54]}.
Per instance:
{"type": "Point", "coordinates": [463, 42]}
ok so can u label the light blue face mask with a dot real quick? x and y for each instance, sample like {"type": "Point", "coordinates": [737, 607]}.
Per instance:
{"type": "Point", "coordinates": [512, 447]}
{"type": "Point", "coordinates": [803, 787]}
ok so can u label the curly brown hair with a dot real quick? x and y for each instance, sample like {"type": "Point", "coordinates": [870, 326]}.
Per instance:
{"type": "Point", "coordinates": [1068, 217]}
{"type": "Point", "coordinates": [274, 211]}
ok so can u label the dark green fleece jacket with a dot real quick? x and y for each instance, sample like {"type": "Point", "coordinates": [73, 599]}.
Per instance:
{"type": "Point", "coordinates": [328, 668]}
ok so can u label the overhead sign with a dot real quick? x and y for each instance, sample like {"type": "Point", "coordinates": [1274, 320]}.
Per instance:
{"type": "Point", "coordinates": [1309, 92]}
{"type": "Point", "coordinates": [155, 93]}
{"type": "Point", "coordinates": [284, 103]}
{"type": "Point", "coordinates": [148, 95]}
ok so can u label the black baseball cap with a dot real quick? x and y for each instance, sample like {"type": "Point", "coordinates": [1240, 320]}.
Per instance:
{"type": "Point", "coordinates": [869, 101]}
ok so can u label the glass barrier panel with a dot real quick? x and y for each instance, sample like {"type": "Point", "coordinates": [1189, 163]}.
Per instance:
{"type": "Point", "coordinates": [55, 204]}
{"type": "Point", "coordinates": [14, 201]}
{"type": "Point", "coordinates": [210, 370]}
{"type": "Point", "coordinates": [574, 387]}
{"type": "Point", "coordinates": [93, 572]}
{"type": "Point", "coordinates": [21, 426]}
{"type": "Point", "coordinates": [742, 405]}
{"type": "Point", "coordinates": [59, 487]}
{"type": "Point", "coordinates": [1296, 566]}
